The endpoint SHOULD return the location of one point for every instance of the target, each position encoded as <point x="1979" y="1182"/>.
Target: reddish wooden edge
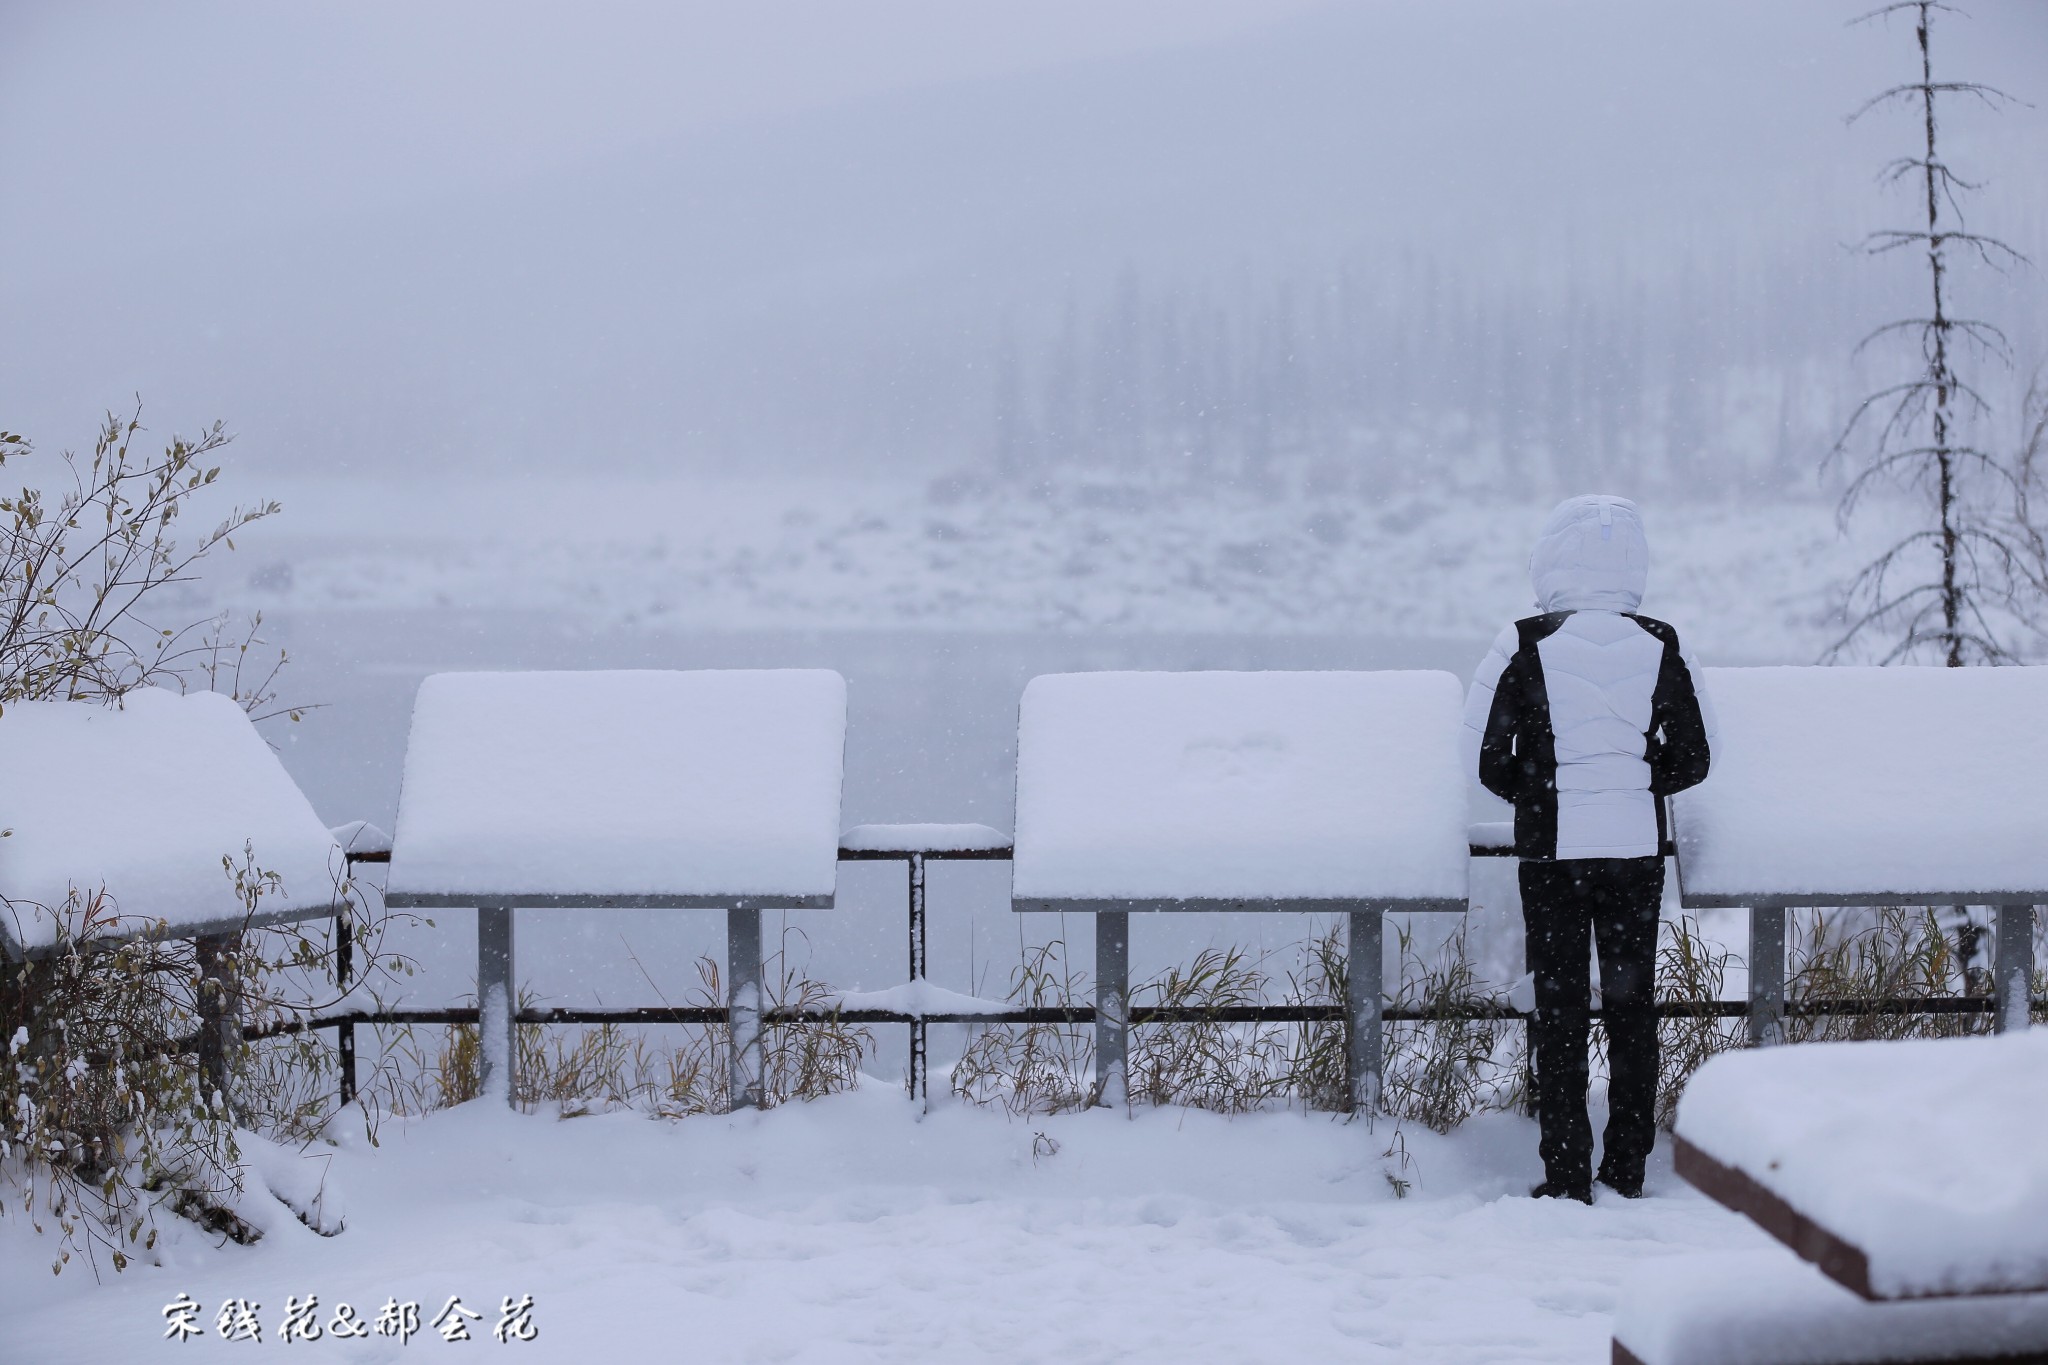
<point x="1842" y="1262"/>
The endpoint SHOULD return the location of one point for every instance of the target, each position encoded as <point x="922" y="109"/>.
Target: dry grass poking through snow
<point x="1465" y="1052"/>
<point x="1034" y="1068"/>
<point x="1691" y="970"/>
<point x="1208" y="1063"/>
<point x="1439" y="1070"/>
<point x="1447" y="1066"/>
<point x="601" y="1068"/>
<point x="1889" y="954"/>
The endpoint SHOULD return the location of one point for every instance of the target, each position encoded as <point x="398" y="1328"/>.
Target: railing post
<point x="918" y="1092"/>
<point x="219" y="1024"/>
<point x="497" y="1028"/>
<point x="1365" y="1043"/>
<point x="2013" y="968"/>
<point x="743" y="999"/>
<point x="1766" y="975"/>
<point x="345" y="1033"/>
<point x="1112" y="1006"/>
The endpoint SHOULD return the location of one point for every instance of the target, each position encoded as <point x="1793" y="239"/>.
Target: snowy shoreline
<point x="1752" y="584"/>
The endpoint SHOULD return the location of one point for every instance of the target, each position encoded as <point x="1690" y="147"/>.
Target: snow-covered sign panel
<point x="1870" y="785"/>
<point x="1263" y="788"/>
<point x="636" y="787"/>
<point x="1901" y="1169"/>
<point x="136" y="806"/>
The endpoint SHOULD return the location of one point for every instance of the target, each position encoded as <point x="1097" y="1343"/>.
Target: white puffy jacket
<point x="1586" y="716"/>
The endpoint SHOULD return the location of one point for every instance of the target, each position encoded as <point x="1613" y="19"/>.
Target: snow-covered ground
<point x="852" y="1230"/>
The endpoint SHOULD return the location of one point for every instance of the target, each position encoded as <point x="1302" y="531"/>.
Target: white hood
<point x="1592" y="556"/>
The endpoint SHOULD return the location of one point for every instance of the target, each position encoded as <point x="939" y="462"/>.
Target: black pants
<point x="1615" y="902"/>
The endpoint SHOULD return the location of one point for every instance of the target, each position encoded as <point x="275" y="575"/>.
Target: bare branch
<point x="1974" y="330"/>
<point x="80" y="562"/>
<point x="1989" y="94"/>
<point x="1989" y="249"/>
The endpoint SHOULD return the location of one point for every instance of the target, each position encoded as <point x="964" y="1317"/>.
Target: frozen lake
<point x="932" y="721"/>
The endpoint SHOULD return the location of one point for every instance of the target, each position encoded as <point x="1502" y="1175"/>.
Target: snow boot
<point x="1627" y="1189"/>
<point x="1551" y="1189"/>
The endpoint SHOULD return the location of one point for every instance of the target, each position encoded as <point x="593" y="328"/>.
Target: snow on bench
<point x="712" y="789"/>
<point x="920" y="997"/>
<point x="1493" y="836"/>
<point x="1767" y="1308"/>
<point x="627" y="788"/>
<point x="940" y="840"/>
<point x="1902" y="1169"/>
<point x="144" y="800"/>
<point x="362" y="840"/>
<point x="1860" y="786"/>
<point x="1240" y="791"/>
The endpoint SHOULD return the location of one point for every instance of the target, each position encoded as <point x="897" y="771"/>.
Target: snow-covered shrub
<point x="105" y="1111"/>
<point x="99" y="1104"/>
<point x="2037" y="979"/>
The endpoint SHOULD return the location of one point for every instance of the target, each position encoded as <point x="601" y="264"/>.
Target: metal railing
<point x="1765" y="1008"/>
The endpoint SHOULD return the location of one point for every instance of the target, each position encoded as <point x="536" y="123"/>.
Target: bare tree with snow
<point x="1966" y="585"/>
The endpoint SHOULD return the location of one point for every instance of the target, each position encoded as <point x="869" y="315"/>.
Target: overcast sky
<point x="376" y="234"/>
<point x="126" y="121"/>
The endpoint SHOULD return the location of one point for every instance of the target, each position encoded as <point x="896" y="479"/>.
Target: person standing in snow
<point x="1586" y="717"/>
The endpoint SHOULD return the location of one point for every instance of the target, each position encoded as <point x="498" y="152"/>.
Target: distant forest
<point x="1726" y="374"/>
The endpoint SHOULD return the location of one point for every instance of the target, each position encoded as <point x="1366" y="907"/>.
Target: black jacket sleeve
<point x="1499" y="770"/>
<point x="1678" y="751"/>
